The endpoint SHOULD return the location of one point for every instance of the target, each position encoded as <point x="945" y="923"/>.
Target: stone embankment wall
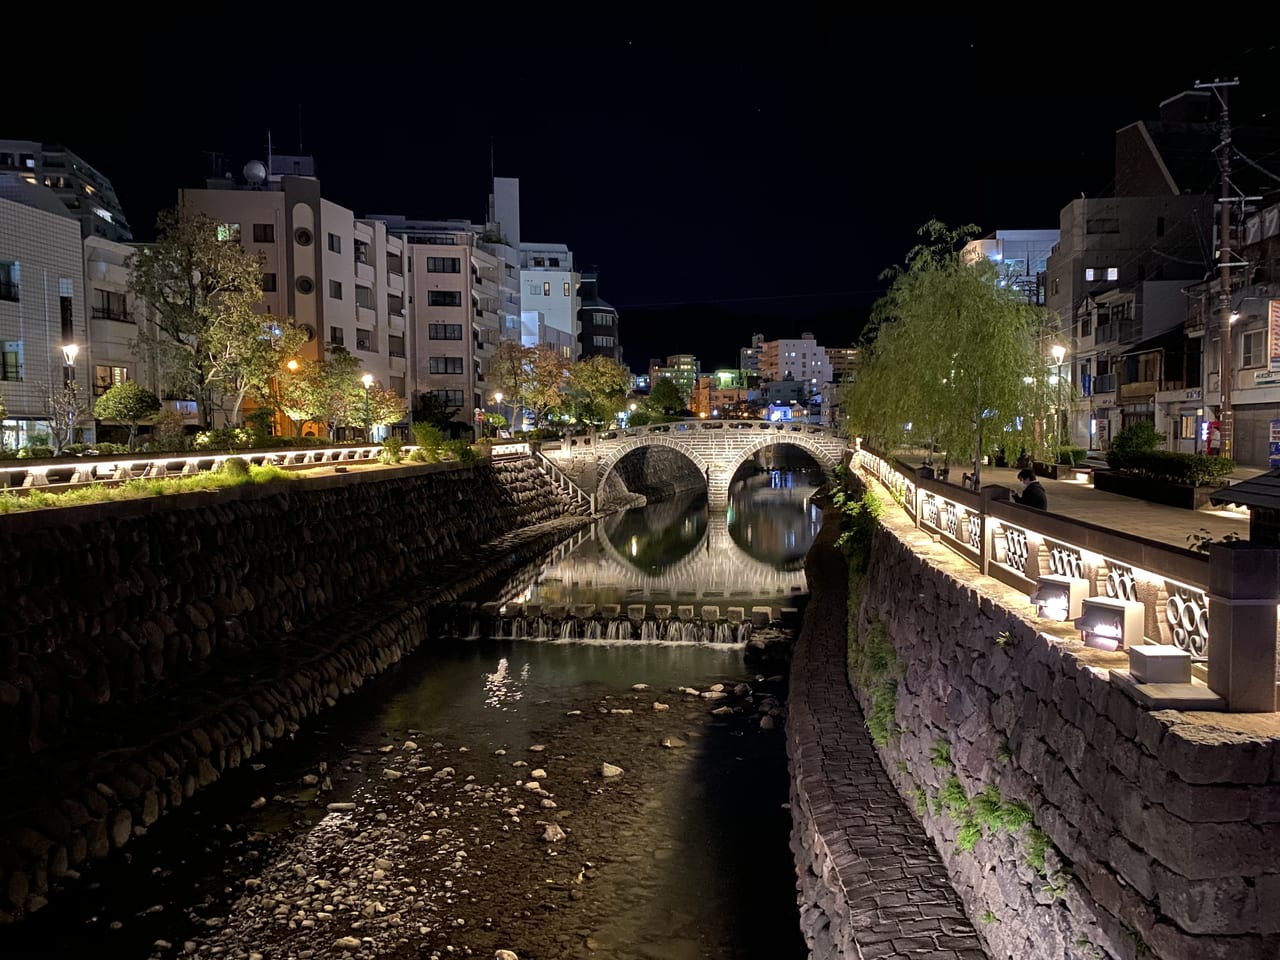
<point x="1151" y="834"/>
<point x="152" y="645"/>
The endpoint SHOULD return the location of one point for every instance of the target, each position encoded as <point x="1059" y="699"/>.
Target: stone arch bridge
<point x="717" y="448"/>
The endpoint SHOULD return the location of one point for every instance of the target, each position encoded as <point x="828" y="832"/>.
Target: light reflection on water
<point x="501" y="689"/>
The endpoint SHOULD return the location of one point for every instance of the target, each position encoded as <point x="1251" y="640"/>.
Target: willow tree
<point x="952" y="357"/>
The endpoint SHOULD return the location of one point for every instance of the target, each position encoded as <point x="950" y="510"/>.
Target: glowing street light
<point x="1059" y="353"/>
<point x="292" y="366"/>
<point x="69" y="353"/>
<point x="367" y="380"/>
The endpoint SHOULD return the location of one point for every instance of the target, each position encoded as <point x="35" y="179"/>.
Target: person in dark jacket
<point x="1033" y="494"/>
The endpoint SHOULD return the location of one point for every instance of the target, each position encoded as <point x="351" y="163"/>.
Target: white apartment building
<point x="549" y="300"/>
<point x="802" y="359"/>
<point x="86" y="192"/>
<point x="41" y="307"/>
<point x="340" y="278"/>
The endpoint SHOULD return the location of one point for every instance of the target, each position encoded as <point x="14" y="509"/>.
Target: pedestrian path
<point x="1080" y="501"/>
<point x="872" y="884"/>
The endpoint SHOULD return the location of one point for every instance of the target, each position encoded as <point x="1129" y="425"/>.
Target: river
<point x="461" y="805"/>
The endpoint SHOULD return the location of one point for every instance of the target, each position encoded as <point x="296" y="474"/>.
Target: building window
<point x="444" y="365"/>
<point x="1253" y="352"/>
<point x="444" y="298"/>
<point x="109" y="305"/>
<point x="335" y="243"/>
<point x="1113" y="273"/>
<point x="11" y="360"/>
<point x="364" y="297"/>
<point x="1086" y="325"/>
<point x="397" y="386"/>
<point x="264" y="233"/>
<point x="268" y="283"/>
<point x="1187" y="430"/>
<point x="546" y="289"/>
<point x="66" y="309"/>
<point x="539" y="262"/>
<point x="364" y="340"/>
<point x="9" y="277"/>
<point x="395" y="345"/>
<point x="335" y="336"/>
<point x="448" y="398"/>
<point x="1102" y="225"/>
<point x="554" y="261"/>
<point x="305" y="285"/>
<point x="1055" y="285"/>
<point x="603" y="341"/>
<point x="1089" y="273"/>
<point x="566" y="288"/>
<point x="335" y="289"/>
<point x="444" y="265"/>
<point x="104" y="378"/>
<point x="444" y="331"/>
<point x="229" y="231"/>
<point x="602" y="319"/>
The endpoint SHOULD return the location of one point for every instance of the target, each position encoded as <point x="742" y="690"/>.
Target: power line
<point x="784" y="296"/>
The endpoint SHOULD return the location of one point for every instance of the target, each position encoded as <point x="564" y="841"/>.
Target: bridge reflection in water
<point x="675" y="570"/>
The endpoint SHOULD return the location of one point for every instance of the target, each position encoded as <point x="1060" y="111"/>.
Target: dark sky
<point x="765" y="168"/>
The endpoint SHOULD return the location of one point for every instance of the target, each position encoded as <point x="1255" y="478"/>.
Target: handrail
<point x="564" y="481"/>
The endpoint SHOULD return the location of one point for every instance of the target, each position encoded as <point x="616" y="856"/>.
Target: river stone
<point x="766" y="723"/>
<point x="409" y="745"/>
<point x="382" y="863"/>
<point x="505" y="955"/>
<point x="639" y="686"/>
<point x="258" y="803"/>
<point x="347" y="943"/>
<point x="499" y="752"/>
<point x="673" y="743"/>
<point x="660" y="706"/>
<point x="721" y="711"/>
<point x="609" y="770"/>
<point x="714" y="695"/>
<point x="717" y="688"/>
<point x="539" y="774"/>
<point x="392" y="774"/>
<point x="532" y="785"/>
<point x="553" y="833"/>
<point x="537" y="748"/>
<point x="340" y="807"/>
<point x="624" y="713"/>
<point x="386" y="748"/>
<point x="310" y="780"/>
<point x="548" y="803"/>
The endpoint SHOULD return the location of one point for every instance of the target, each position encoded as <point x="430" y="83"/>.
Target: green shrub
<point x="223" y="438"/>
<point x="940" y="753"/>
<point x="429" y="438"/>
<point x="235" y="467"/>
<point x="391" y="450"/>
<point x="75" y="449"/>
<point x="1192" y="469"/>
<point x="35" y="452"/>
<point x="461" y="451"/>
<point x="1135" y="439"/>
<point x="874" y="670"/>
<point x="111" y="449"/>
<point x="859" y="518"/>
<point x="1071" y="456"/>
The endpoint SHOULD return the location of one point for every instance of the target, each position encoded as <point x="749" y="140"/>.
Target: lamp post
<point x="1059" y="353"/>
<point x="497" y="399"/>
<point x="367" y="380"/>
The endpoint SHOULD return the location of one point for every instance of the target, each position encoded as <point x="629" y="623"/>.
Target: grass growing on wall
<point x="874" y="671"/>
<point x="231" y="476"/>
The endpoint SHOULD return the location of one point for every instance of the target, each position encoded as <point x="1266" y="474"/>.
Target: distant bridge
<point x="717" y="448"/>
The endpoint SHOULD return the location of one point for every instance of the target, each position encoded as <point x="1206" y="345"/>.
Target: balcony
<point x="1104" y="383"/>
<point x="104" y="313"/>
<point x="364" y="272"/>
<point x="1141" y="390"/>
<point x="396" y="322"/>
<point x="365" y="316"/>
<point x="1104" y="333"/>
<point x="395" y="281"/>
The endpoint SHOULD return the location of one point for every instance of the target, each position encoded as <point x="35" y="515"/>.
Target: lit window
<point x="1113" y="273"/>
<point x="229" y="231"/>
<point x="1088" y="273"/>
<point x="546" y="289"/>
<point x="106" y="215"/>
<point x="566" y="288"/>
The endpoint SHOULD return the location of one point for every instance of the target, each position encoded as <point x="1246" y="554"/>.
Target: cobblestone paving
<point x="886" y="890"/>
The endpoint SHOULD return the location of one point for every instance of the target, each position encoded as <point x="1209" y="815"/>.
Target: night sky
<point x="763" y="169"/>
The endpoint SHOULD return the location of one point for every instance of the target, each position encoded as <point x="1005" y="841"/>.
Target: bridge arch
<point x="628" y="445"/>
<point x="825" y="457"/>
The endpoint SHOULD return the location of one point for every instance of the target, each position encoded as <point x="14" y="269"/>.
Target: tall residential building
<point x="549" y="301"/>
<point x="843" y="361"/>
<point x="86" y="193"/>
<point x="683" y="369"/>
<point x="802" y="359"/>
<point x="340" y="278"/>
<point x="500" y="239"/>
<point x="1020" y="257"/>
<point x="598" y="322"/>
<point x="41" y="307"/>
<point x="749" y="357"/>
<point x="456" y="299"/>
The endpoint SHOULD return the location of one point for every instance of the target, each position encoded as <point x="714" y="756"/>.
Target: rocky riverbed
<point x="635" y="821"/>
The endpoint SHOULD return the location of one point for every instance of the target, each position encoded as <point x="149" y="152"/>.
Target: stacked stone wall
<point x="1162" y="828"/>
<point x="154" y="644"/>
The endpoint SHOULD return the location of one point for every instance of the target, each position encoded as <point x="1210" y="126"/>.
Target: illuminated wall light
<point x="1107" y="624"/>
<point x="1060" y="598"/>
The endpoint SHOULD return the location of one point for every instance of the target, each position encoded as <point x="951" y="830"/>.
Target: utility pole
<point x="1226" y="368"/>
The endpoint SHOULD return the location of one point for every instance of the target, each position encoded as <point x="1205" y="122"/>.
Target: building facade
<point x="41" y="309"/>
<point x="598" y="323"/>
<point x="341" y="279"/>
<point x="801" y="360"/>
<point x="682" y="369"/>
<point x="749" y="357"/>
<point x="1020" y="257"/>
<point x="86" y="192"/>
<point x="549" y="304"/>
<point x="842" y="361"/>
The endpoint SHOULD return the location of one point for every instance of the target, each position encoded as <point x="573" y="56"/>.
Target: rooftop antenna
<point x="491" y="159"/>
<point x="301" y="152"/>
<point x="268" y="151"/>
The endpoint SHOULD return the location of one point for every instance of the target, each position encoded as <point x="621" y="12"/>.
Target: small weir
<point x="642" y="622"/>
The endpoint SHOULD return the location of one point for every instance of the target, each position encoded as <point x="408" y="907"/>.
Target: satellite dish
<point x="255" y="171"/>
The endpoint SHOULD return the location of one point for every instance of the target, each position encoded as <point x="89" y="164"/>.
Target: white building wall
<point x="47" y="250"/>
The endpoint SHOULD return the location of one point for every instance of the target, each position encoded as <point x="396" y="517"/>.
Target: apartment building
<point x="802" y="360"/>
<point x="340" y="278"/>
<point x="456" y="311"/>
<point x="683" y="369"/>
<point x="843" y="361"/>
<point x="1020" y="258"/>
<point x="598" y="322"/>
<point x="549" y="302"/>
<point x="85" y="191"/>
<point x="749" y="357"/>
<point x="43" y="334"/>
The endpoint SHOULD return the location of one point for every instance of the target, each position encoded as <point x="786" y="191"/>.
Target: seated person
<point x="1032" y="493"/>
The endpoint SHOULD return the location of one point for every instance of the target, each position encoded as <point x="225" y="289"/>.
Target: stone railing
<point x="1019" y="545"/>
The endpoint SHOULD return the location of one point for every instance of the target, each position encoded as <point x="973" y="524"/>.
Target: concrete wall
<point x="153" y="645"/>
<point x="1164" y="827"/>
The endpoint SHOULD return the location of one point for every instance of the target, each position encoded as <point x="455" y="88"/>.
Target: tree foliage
<point x="66" y="412"/>
<point x="951" y="358"/>
<point x="666" y="398"/>
<point x="545" y="380"/>
<point x="598" y="388"/>
<point x="128" y="402"/>
<point x="203" y="335"/>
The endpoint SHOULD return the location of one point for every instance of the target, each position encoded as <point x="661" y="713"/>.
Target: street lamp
<point x="367" y="380"/>
<point x="497" y="400"/>
<point x="1059" y="353"/>
<point x="69" y="353"/>
<point x="292" y="365"/>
